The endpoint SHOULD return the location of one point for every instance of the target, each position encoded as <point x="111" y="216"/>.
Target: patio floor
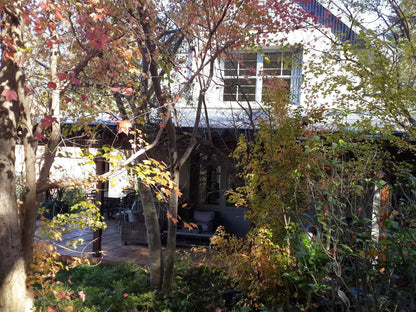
<point x="113" y="249"/>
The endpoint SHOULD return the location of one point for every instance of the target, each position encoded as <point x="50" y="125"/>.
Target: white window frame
<point x="295" y="75"/>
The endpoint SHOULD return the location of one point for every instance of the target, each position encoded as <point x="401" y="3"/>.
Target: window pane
<point x="230" y="90"/>
<point x="247" y="91"/>
<point x="248" y="65"/>
<point x="277" y="63"/>
<point x="209" y="183"/>
<point x="230" y="68"/>
<point x="243" y="86"/>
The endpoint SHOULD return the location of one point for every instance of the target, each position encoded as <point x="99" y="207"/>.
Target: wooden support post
<point x="101" y="167"/>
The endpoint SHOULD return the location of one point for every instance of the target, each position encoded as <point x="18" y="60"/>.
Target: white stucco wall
<point x="315" y="42"/>
<point x="70" y="167"/>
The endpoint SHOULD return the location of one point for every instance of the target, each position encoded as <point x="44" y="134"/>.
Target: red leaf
<point x="115" y="89"/>
<point x="128" y="91"/>
<point x="91" y="36"/>
<point x="51" y="26"/>
<point x="47" y="121"/>
<point x="43" y="5"/>
<point x="84" y="98"/>
<point x="52" y="85"/>
<point x="62" y="76"/>
<point x="26" y="17"/>
<point x="39" y="136"/>
<point x="67" y="100"/>
<point x="49" y="44"/>
<point x="58" y="15"/>
<point x="9" y="94"/>
<point x="75" y="81"/>
<point x="27" y="89"/>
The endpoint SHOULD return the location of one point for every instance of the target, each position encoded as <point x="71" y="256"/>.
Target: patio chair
<point x="133" y="227"/>
<point x="125" y="204"/>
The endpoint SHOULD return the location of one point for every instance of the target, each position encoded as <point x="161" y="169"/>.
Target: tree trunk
<point x="171" y="240"/>
<point x="29" y="205"/>
<point x="153" y="236"/>
<point x="54" y="111"/>
<point x="173" y="209"/>
<point x="13" y="292"/>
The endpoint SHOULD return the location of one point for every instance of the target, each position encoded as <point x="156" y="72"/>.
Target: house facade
<point x="236" y="97"/>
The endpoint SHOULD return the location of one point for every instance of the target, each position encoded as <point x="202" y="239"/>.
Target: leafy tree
<point x="313" y="198"/>
<point x="127" y="53"/>
<point x="376" y="69"/>
<point x="154" y="34"/>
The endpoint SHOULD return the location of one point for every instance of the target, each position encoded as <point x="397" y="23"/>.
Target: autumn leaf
<point x="75" y="81"/>
<point x="62" y="76"/>
<point x="128" y="91"/>
<point x="9" y="94"/>
<point x="47" y="121"/>
<point x="125" y="126"/>
<point x="39" y="136"/>
<point x="52" y="85"/>
<point x="189" y="226"/>
<point x="169" y="216"/>
<point x="166" y="191"/>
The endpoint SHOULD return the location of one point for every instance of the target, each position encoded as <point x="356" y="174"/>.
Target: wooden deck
<point x="113" y="249"/>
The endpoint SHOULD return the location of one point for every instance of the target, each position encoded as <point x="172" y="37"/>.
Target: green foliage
<point x="120" y="287"/>
<point x="61" y="200"/>
<point x="80" y="216"/>
<point x="301" y="177"/>
<point x="124" y="287"/>
<point x="271" y="166"/>
<point x="198" y="289"/>
<point x="265" y="271"/>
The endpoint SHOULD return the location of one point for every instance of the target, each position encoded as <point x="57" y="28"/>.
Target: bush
<point x="61" y="201"/>
<point x="121" y="287"/>
<point x="265" y="271"/>
<point x="125" y="287"/>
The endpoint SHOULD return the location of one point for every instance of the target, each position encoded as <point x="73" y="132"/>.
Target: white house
<point x="239" y="88"/>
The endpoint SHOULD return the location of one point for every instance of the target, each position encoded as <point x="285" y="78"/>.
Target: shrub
<point x="125" y="287"/>
<point x="265" y="271"/>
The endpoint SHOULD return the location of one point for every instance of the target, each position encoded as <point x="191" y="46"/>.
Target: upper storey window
<point x="245" y="74"/>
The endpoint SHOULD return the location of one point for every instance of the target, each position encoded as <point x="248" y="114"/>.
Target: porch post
<point x="375" y="214"/>
<point x="100" y="168"/>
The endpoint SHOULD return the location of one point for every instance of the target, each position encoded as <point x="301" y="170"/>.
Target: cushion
<point x="204" y="215"/>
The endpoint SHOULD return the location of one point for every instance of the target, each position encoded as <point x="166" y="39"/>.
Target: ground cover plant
<point x="125" y="287"/>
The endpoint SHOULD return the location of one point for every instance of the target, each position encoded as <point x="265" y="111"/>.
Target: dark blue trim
<point x="326" y="18"/>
